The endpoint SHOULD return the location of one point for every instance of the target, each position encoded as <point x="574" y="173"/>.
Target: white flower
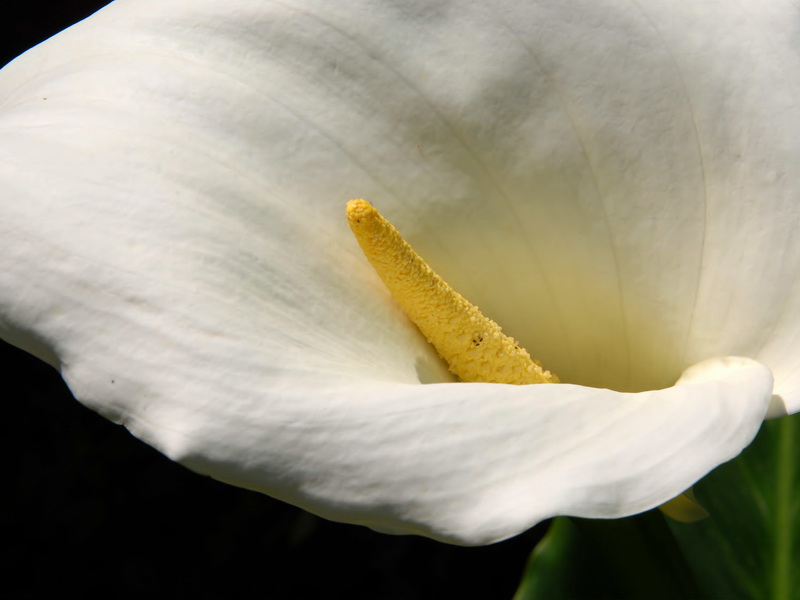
<point x="614" y="182"/>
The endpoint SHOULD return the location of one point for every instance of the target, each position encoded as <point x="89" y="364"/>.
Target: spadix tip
<point x="359" y="209"/>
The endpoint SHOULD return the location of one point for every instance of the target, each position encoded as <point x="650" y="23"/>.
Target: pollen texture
<point x="474" y="347"/>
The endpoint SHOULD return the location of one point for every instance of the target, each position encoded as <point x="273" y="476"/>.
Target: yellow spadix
<point x="475" y="347"/>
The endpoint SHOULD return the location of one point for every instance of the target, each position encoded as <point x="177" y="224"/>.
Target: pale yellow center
<point x="475" y="347"/>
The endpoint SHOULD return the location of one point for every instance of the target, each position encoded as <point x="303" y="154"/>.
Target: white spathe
<point x="614" y="182"/>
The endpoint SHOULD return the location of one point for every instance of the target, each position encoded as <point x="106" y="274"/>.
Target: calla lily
<point x="614" y="182"/>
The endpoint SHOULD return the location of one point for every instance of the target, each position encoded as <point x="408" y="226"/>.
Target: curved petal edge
<point x="473" y="464"/>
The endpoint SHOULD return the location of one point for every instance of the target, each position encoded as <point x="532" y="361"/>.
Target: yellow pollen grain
<point x="474" y="347"/>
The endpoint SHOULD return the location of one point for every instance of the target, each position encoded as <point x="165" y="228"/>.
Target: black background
<point x="94" y="512"/>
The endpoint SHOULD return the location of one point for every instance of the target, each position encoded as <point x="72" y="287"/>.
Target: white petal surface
<point x="614" y="182"/>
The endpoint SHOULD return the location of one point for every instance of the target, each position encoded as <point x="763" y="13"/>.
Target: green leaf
<point x="748" y="548"/>
<point x="547" y="572"/>
<point x="625" y="558"/>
